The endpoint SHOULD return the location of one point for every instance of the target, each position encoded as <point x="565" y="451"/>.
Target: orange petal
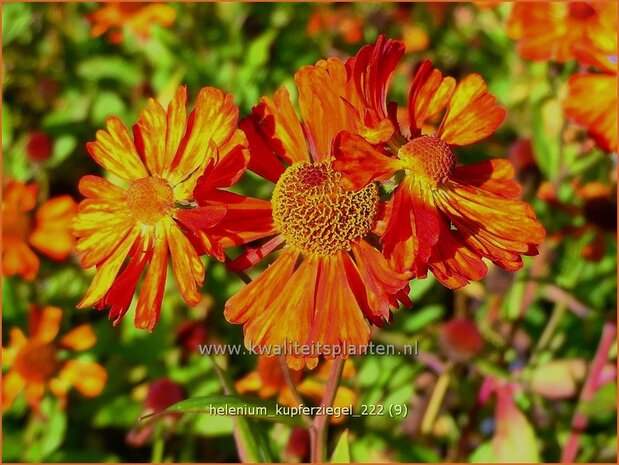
<point x="151" y="294"/>
<point x="328" y="104"/>
<point x="372" y="69"/>
<point x="148" y="132"/>
<point x="247" y="303"/>
<point x="12" y="385"/>
<point x="429" y="95"/>
<point x="373" y="281"/>
<point x="22" y="197"/>
<point x="360" y="163"/>
<point x="99" y="235"/>
<point x="494" y="176"/>
<point x="79" y="338"/>
<point x="281" y="128"/>
<point x="498" y="228"/>
<point x="186" y="264"/>
<point x="264" y="160"/>
<point x="249" y="383"/>
<point x="452" y="262"/>
<point x="97" y="187"/>
<point x="592" y="102"/>
<point x="212" y="123"/>
<point x="107" y="271"/>
<point x="115" y="151"/>
<point x="44" y="323"/>
<point x="34" y="394"/>
<point x="18" y="259"/>
<point x="176" y="122"/>
<point x="88" y="378"/>
<point x="473" y="113"/>
<point x="411" y="232"/>
<point x="52" y="235"/>
<point x="337" y="318"/>
<point x="17" y="340"/>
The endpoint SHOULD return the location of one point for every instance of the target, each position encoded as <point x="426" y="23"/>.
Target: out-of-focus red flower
<point x="189" y="336"/>
<point x="552" y="30"/>
<point x="138" y="17"/>
<point x="521" y="155"/>
<point x="162" y="393"/>
<point x="38" y="146"/>
<point x="298" y="445"/>
<point x="460" y="339"/>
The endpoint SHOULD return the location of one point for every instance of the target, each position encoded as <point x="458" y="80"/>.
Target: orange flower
<point x="597" y="206"/>
<point x="551" y="30"/>
<point x="35" y="363"/>
<point x="268" y="381"/>
<point x="152" y="218"/>
<point x="342" y="21"/>
<point x="444" y="217"/>
<point x="138" y="17"/>
<point x="591" y="99"/>
<point x="47" y="232"/>
<point x="329" y="275"/>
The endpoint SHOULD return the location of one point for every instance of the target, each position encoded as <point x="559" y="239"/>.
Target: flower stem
<point x="318" y="430"/>
<point x="291" y="386"/>
<point x="592" y="384"/>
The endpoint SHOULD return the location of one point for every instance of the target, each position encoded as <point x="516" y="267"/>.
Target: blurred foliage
<point x="59" y="80"/>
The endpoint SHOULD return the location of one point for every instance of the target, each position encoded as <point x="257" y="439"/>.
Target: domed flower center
<point x="16" y="223"/>
<point x="316" y="215"/>
<point x="150" y="199"/>
<point x="36" y="362"/>
<point x="428" y="157"/>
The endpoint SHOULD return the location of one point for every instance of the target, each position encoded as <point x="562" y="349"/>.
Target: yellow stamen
<point x="428" y="159"/>
<point x="150" y="199"/>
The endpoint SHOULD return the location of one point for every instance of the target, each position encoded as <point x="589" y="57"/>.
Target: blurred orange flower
<point x="138" y="17"/>
<point x="415" y="38"/>
<point x="153" y="218"/>
<point x="268" y="381"/>
<point x="551" y="30"/>
<point x="47" y="230"/>
<point x="35" y="362"/>
<point x="329" y="260"/>
<point x="591" y="99"/>
<point x="597" y="205"/>
<point x="444" y="217"/>
<point x="342" y="21"/>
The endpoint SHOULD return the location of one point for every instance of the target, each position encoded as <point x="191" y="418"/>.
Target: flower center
<point x="316" y="215"/>
<point x="16" y="223"/>
<point x="150" y="199"/>
<point x="428" y="157"/>
<point x="36" y="362"/>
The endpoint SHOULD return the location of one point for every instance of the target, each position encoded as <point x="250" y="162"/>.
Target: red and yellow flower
<point x="35" y="362"/>
<point x="46" y="231"/>
<point x="112" y="17"/>
<point x="443" y="217"/>
<point x="329" y="277"/>
<point x="268" y="381"/>
<point x="552" y="30"/>
<point x="591" y="99"/>
<point x="153" y="219"/>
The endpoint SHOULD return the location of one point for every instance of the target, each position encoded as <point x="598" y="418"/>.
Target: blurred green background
<point x="60" y="81"/>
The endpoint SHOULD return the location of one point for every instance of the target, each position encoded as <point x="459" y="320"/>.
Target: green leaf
<point x="341" y="454"/>
<point x="7" y="127"/>
<point x="16" y="20"/>
<point x="236" y="405"/>
<point x="546" y="121"/>
<point x="110" y="67"/>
